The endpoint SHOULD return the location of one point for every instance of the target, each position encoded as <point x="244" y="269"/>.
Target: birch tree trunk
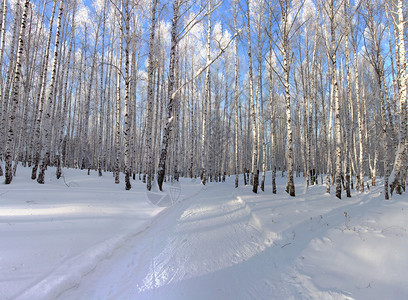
<point x="312" y="100"/>
<point x="360" y="123"/>
<point x="30" y="63"/>
<point x="273" y="127"/>
<point x="128" y="111"/>
<point x="102" y="99"/>
<point x="254" y="169"/>
<point x="347" y="114"/>
<point x="206" y="103"/>
<point x="400" y="159"/>
<point x="66" y="100"/>
<point x="150" y="98"/>
<point x="15" y="98"/>
<point x="46" y="147"/>
<point x="336" y="102"/>
<point x="37" y="141"/>
<point x="328" y="136"/>
<point x="118" y="100"/>
<point x="236" y="97"/>
<point x="290" y="185"/>
<point x="7" y="89"/>
<point x="170" y="88"/>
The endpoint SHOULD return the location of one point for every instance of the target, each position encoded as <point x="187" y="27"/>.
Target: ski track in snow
<point x="209" y="239"/>
<point x="206" y="246"/>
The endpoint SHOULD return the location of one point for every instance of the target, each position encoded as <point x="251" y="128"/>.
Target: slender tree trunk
<point x="236" y="98"/>
<point x="65" y="105"/>
<point x="170" y="104"/>
<point x="329" y="135"/>
<point x="150" y="98"/>
<point x="45" y="159"/>
<point x="128" y="111"/>
<point x="360" y="122"/>
<point x="118" y="102"/>
<point x="273" y="125"/>
<point x="400" y="159"/>
<point x="206" y="103"/>
<point x="30" y="61"/>
<point x="254" y="169"/>
<point x="37" y="141"/>
<point x="336" y="104"/>
<point x="290" y="185"/>
<point x="15" y="97"/>
<point x="347" y="115"/>
<point x="102" y="99"/>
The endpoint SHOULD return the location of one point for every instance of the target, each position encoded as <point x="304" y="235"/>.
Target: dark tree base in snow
<point x="41" y="175"/>
<point x="160" y="179"/>
<point x="256" y="182"/>
<point x="290" y="188"/>
<point x="9" y="174"/>
<point x="127" y="181"/>
<point x="34" y="172"/>
<point x="58" y="173"/>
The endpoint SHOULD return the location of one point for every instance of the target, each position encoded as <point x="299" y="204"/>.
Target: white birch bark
<point x="360" y="123"/>
<point x="102" y="99"/>
<point x="46" y="140"/>
<point x="37" y="140"/>
<point x="273" y="125"/>
<point x="170" y="87"/>
<point x="66" y="103"/>
<point x="150" y="98"/>
<point x="290" y="185"/>
<point x="30" y="62"/>
<point x="7" y="89"/>
<point x="206" y="103"/>
<point x="15" y="98"/>
<point x="400" y="159"/>
<point x="118" y="101"/>
<point x="236" y="98"/>
<point x="254" y="168"/>
<point x="312" y="100"/>
<point x="128" y="111"/>
<point x="337" y="121"/>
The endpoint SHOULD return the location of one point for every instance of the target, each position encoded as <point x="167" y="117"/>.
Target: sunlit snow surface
<point x="83" y="237"/>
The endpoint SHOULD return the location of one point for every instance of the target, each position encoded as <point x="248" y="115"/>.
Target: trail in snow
<point x="194" y="245"/>
<point x="205" y="247"/>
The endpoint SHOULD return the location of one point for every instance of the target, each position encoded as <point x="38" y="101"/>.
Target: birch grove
<point x="149" y="91"/>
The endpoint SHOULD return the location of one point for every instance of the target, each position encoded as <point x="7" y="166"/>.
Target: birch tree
<point x="170" y="90"/>
<point x="285" y="34"/>
<point x="46" y="140"/>
<point x="15" y="97"/>
<point x="37" y="140"/>
<point x="118" y="96"/>
<point x="150" y="97"/>
<point x="236" y="97"/>
<point x="254" y="168"/>
<point x="206" y="103"/>
<point x="400" y="159"/>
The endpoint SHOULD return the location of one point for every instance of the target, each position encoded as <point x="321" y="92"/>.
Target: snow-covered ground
<point x="83" y="237"/>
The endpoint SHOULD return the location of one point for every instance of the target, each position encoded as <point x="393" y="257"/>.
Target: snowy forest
<point x="206" y="89"/>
